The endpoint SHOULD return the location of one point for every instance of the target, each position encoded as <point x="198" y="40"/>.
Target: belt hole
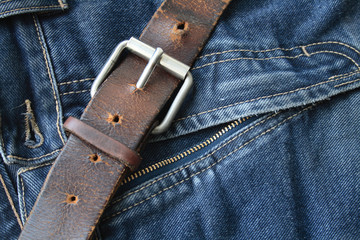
<point x="114" y="119"/>
<point x="94" y="158"/>
<point x="72" y="199"/>
<point x="179" y="31"/>
<point x="180" y="26"/>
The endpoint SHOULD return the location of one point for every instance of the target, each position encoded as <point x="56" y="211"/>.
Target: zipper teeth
<point x="185" y="153"/>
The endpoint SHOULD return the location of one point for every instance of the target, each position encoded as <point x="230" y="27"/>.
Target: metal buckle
<point x="155" y="57"/>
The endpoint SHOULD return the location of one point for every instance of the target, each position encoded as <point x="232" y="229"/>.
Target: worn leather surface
<point x="83" y="177"/>
<point x="103" y="142"/>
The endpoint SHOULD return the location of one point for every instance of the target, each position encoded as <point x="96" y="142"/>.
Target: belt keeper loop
<point x="103" y="142"/>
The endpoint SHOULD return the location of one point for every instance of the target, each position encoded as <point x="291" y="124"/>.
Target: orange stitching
<point x="282" y="49"/>
<point x="187" y="166"/>
<point x="51" y="80"/>
<point x="32" y="168"/>
<point x="277" y="57"/>
<point x="334" y="42"/>
<point x="248" y="50"/>
<point x="5" y="1"/>
<point x="11" y="202"/>
<point x="338" y="53"/>
<point x="61" y="4"/>
<point x="345" y="83"/>
<point x="76" y="81"/>
<point x="34" y="158"/>
<point x="23" y="197"/>
<point x="331" y="79"/>
<point x="30" y="8"/>
<point x="213" y="164"/>
<point x="247" y="58"/>
<point x="74" y="92"/>
<point x="346" y="75"/>
<point x="22" y="183"/>
<point x="303" y="48"/>
<point x="31" y="127"/>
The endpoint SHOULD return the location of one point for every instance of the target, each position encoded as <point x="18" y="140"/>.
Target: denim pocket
<point x="236" y="83"/>
<point x="30" y="112"/>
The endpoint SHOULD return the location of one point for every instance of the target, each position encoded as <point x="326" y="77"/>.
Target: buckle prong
<point x="153" y="61"/>
<point x="155" y="57"/>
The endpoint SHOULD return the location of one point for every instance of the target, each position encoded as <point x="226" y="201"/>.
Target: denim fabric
<point x="265" y="147"/>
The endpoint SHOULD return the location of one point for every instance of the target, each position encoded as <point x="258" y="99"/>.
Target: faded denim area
<point x="265" y="147"/>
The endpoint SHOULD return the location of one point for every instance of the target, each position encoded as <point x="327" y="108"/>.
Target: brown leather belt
<point x="104" y="145"/>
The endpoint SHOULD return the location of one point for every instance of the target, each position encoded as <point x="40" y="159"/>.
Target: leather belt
<point x="104" y="145"/>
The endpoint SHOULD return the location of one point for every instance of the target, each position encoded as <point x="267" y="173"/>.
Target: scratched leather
<point x="55" y="215"/>
<point x="103" y="143"/>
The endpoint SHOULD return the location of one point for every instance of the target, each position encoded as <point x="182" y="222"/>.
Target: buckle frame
<point x="155" y="57"/>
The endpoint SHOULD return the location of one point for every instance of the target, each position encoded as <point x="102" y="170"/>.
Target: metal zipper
<point x="185" y="153"/>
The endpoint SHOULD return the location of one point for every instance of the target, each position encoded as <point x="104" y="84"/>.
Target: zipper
<point x="185" y="153"/>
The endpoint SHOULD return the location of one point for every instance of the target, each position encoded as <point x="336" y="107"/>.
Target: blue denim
<point x="265" y="147"/>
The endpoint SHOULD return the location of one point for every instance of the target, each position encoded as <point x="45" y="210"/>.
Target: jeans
<point x="266" y="145"/>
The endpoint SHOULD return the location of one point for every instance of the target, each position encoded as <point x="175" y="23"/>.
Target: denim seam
<point x="277" y="57"/>
<point x="32" y="168"/>
<point x="34" y="158"/>
<point x="188" y="165"/>
<point x="31" y="8"/>
<point x="76" y="81"/>
<point x="23" y="187"/>
<point x="31" y="127"/>
<point x="5" y="1"/>
<point x="2" y="150"/>
<point x="345" y="75"/>
<point x="11" y="202"/>
<point x="61" y="4"/>
<point x="345" y="83"/>
<point x="42" y="43"/>
<point x="75" y="92"/>
<point x="303" y="48"/>
<point x="210" y="166"/>
<point x="282" y="49"/>
<point x="23" y="199"/>
<point x="338" y="53"/>
<point x="330" y="79"/>
<point x="334" y="42"/>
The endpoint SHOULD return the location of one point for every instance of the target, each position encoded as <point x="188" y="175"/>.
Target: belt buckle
<point x="155" y="57"/>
